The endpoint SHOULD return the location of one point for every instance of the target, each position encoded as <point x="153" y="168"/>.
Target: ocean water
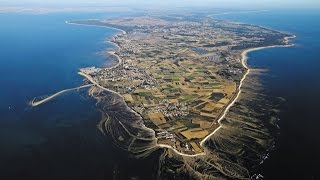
<point x="294" y="74"/>
<point x="40" y="55"/>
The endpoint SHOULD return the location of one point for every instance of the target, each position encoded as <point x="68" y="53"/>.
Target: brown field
<point x="157" y="118"/>
<point x="195" y="133"/>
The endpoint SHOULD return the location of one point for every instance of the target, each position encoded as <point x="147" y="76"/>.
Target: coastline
<point x="112" y="53"/>
<point x="244" y="58"/>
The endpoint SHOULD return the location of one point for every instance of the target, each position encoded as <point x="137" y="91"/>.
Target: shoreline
<point x="244" y="58"/>
<point x="112" y="53"/>
<point x="89" y="78"/>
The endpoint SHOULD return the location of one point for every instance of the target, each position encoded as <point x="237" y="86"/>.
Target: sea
<point x="41" y="54"/>
<point x="293" y="74"/>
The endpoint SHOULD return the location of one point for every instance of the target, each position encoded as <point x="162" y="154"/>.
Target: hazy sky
<point x="207" y="3"/>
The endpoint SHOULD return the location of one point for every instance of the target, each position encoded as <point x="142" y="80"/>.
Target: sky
<point x="260" y="4"/>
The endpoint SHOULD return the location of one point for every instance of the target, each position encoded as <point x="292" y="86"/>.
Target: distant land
<point x="45" y="10"/>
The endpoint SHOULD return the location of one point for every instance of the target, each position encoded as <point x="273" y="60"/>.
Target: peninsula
<point x="180" y="74"/>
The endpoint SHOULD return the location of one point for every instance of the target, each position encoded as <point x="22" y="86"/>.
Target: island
<point x="180" y="74"/>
